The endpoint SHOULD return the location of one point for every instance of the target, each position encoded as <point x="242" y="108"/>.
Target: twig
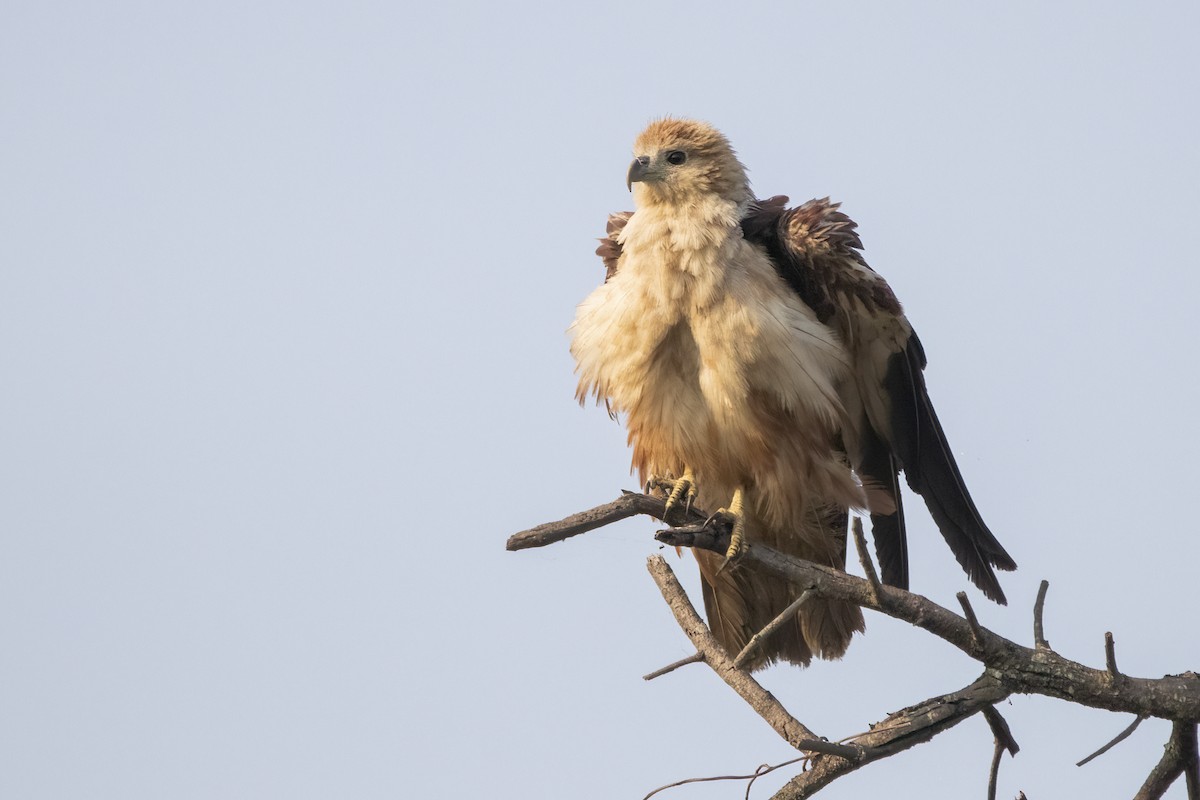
<point x="994" y="771"/>
<point x="1000" y="730"/>
<point x="766" y="769"/>
<point x="683" y="662"/>
<point x="1110" y="656"/>
<point x="1004" y="741"/>
<point x="864" y="558"/>
<point x="1178" y="755"/>
<point x="1039" y="637"/>
<point x="791" y="729"/>
<point x="758" y="773"/>
<point x="629" y="504"/>
<point x="757" y="639"/>
<point x="972" y="620"/>
<point x="1120" y="737"/>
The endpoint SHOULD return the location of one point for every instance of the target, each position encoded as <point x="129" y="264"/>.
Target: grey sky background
<point x="283" y="292"/>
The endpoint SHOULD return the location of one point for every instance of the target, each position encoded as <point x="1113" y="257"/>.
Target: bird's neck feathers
<point x="695" y="210"/>
<point x="679" y="253"/>
<point x="711" y="204"/>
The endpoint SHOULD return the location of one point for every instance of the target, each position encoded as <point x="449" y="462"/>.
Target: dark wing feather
<point x="879" y="467"/>
<point x="816" y="249"/>
<point x="929" y="466"/>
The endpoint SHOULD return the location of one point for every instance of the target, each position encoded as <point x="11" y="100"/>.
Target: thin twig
<point x="767" y="769"/>
<point x="994" y="772"/>
<point x="757" y="639"/>
<point x="972" y="620"/>
<point x="864" y="558"/>
<point x="683" y="662"/>
<point x="1004" y="741"/>
<point x="1039" y="637"/>
<point x="1120" y="737"/>
<point x="1110" y="656"/>
<point x="758" y="773"/>
<point x="770" y="709"/>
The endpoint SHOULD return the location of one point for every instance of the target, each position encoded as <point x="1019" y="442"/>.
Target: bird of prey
<point x="765" y="370"/>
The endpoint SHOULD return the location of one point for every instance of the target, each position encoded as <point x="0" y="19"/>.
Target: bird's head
<point x="680" y="160"/>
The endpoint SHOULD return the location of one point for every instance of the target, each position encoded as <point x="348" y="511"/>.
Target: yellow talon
<point x="676" y="489"/>
<point x="737" y="537"/>
<point x="685" y="487"/>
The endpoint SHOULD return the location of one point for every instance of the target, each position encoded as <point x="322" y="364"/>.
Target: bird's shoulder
<point x="816" y="248"/>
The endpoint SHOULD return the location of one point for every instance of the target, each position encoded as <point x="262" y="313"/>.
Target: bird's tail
<point x="740" y="601"/>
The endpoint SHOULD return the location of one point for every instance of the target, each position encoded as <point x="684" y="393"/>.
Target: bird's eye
<point x="676" y="157"/>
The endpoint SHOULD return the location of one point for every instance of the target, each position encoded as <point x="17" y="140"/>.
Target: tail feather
<point x="741" y="601"/>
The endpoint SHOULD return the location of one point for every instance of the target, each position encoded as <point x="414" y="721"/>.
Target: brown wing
<point x="817" y="251"/>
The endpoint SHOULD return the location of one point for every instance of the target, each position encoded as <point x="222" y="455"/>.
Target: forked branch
<point x="1009" y="668"/>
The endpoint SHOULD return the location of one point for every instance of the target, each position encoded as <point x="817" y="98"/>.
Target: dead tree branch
<point x="629" y="504"/>
<point x="791" y="729"/>
<point x="1009" y="668"/>
<point x="1024" y="670"/>
<point x="1179" y="758"/>
<point x="1120" y="737"/>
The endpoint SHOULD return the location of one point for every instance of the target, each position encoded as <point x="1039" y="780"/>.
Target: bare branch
<point x="1110" y="656"/>
<point x="758" y="773"/>
<point x="791" y="729"/>
<point x="1039" y="636"/>
<point x="629" y="504"/>
<point x="898" y="732"/>
<point x="972" y="620"/>
<point x="757" y="639"/>
<point x="694" y="658"/>
<point x="1024" y="670"/>
<point x="864" y="558"/>
<point x="1120" y="737"/>
<point x="1190" y="753"/>
<point x="994" y="771"/>
<point x="1178" y="755"/>
<point x="1009" y="667"/>
<point x="1000" y="730"/>
<point x="1004" y="741"/>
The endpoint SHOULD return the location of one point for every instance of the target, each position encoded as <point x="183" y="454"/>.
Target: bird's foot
<point x="737" y="537"/>
<point x="680" y="492"/>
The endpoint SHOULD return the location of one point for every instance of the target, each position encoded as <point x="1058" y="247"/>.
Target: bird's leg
<point x="737" y="537"/>
<point x="677" y="490"/>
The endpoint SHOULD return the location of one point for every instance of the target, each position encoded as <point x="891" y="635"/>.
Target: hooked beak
<point x="637" y="171"/>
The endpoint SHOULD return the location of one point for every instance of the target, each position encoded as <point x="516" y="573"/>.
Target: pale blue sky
<point x="283" y="292"/>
